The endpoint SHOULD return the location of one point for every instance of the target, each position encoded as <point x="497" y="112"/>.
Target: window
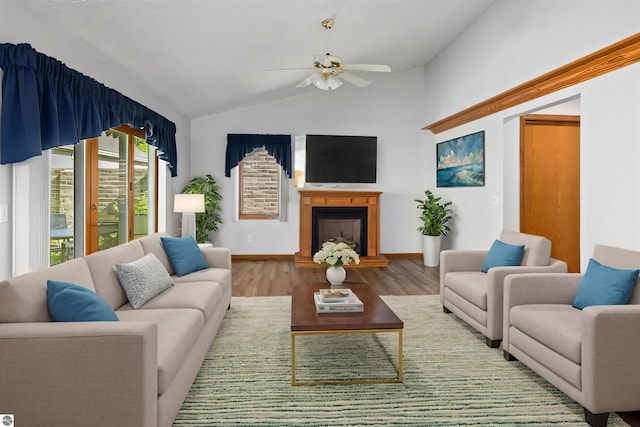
<point x="260" y="181"/>
<point x="61" y="205"/>
<point x="259" y="174"/>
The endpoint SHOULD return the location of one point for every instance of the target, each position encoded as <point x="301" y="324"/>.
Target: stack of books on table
<point x="337" y="300"/>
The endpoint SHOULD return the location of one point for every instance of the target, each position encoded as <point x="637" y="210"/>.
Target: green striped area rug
<point x="451" y="378"/>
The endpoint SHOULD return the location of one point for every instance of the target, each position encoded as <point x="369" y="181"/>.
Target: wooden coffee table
<point x="377" y="317"/>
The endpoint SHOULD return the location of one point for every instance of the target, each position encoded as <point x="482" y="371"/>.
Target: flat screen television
<point x="341" y="159"/>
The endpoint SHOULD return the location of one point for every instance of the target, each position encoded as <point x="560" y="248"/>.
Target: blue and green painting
<point x="461" y="161"/>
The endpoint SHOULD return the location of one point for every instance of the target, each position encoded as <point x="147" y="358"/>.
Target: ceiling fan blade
<point x="306" y="82"/>
<point x="352" y="78"/>
<point x="368" y="67"/>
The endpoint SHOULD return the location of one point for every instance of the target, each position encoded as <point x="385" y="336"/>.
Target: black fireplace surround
<point x="322" y="214"/>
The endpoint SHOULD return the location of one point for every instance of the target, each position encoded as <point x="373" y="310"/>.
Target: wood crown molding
<point x="611" y="58"/>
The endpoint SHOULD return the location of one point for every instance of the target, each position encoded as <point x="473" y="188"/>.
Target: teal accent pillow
<point x="184" y="254"/>
<point x="604" y="285"/>
<point x="503" y="254"/>
<point x="74" y="303"/>
<point x="143" y="279"/>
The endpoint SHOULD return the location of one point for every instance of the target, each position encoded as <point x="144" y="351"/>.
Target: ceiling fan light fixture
<point x="333" y="82"/>
<point x="329" y="72"/>
<point x="330" y="82"/>
<point x="319" y="82"/>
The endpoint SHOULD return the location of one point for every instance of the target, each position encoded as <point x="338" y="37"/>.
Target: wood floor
<point x="402" y="277"/>
<point x="277" y="277"/>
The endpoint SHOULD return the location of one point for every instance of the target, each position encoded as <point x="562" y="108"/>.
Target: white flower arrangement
<point x="336" y="254"/>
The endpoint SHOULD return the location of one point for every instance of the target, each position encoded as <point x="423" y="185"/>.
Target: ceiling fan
<point x="329" y="71"/>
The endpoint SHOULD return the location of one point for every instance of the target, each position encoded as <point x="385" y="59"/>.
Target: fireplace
<point x="338" y="224"/>
<point x="340" y="214"/>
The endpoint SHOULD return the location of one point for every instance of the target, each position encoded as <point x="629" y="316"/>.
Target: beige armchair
<point x="476" y="297"/>
<point x="592" y="355"/>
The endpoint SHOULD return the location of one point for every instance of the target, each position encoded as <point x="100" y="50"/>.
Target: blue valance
<point x="240" y="144"/>
<point x="45" y="104"/>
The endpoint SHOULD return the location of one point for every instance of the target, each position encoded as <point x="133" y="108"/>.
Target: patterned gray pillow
<point x="143" y="279"/>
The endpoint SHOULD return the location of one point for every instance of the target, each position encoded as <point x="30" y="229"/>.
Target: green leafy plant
<point x="141" y="207"/>
<point x="434" y="215"/>
<point x="210" y="219"/>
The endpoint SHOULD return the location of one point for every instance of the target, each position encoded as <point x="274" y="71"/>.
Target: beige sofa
<point x="592" y="354"/>
<point x="135" y="372"/>
<point x="476" y="297"/>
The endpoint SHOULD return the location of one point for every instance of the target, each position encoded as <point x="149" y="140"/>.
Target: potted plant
<point x="210" y="219"/>
<point x="434" y="216"/>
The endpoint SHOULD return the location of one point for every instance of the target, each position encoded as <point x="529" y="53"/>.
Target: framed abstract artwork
<point x="460" y="161"/>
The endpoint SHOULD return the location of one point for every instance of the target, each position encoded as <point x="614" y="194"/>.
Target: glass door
<point x="107" y="191"/>
<point x="121" y="188"/>
<point x="143" y="213"/>
<point x="61" y="182"/>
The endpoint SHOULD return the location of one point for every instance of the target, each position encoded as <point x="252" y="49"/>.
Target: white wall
<point x="391" y="108"/>
<point x="514" y="42"/>
<point x="18" y="27"/>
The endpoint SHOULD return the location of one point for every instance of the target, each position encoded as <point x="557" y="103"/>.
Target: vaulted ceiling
<point x="206" y="56"/>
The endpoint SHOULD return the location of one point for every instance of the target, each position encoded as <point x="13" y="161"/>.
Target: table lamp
<point x="188" y="205"/>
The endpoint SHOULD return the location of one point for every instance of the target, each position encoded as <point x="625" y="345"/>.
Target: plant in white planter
<point x="434" y="215"/>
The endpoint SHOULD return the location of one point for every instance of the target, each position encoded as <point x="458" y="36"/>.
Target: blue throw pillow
<point x="503" y="254"/>
<point x="73" y="303"/>
<point x="604" y="285"/>
<point x="184" y="254"/>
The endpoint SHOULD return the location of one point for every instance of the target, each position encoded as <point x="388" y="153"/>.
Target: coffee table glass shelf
<point x="376" y="318"/>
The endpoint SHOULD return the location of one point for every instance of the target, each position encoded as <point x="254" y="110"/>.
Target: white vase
<point x="336" y="275"/>
<point x="431" y="250"/>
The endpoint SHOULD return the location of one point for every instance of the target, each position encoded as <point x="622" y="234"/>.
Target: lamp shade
<point x="188" y="203"/>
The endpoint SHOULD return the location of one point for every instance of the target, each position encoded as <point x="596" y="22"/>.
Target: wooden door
<point x="550" y="183"/>
<point x="118" y="188"/>
<point x="91" y="196"/>
<point x="107" y="194"/>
